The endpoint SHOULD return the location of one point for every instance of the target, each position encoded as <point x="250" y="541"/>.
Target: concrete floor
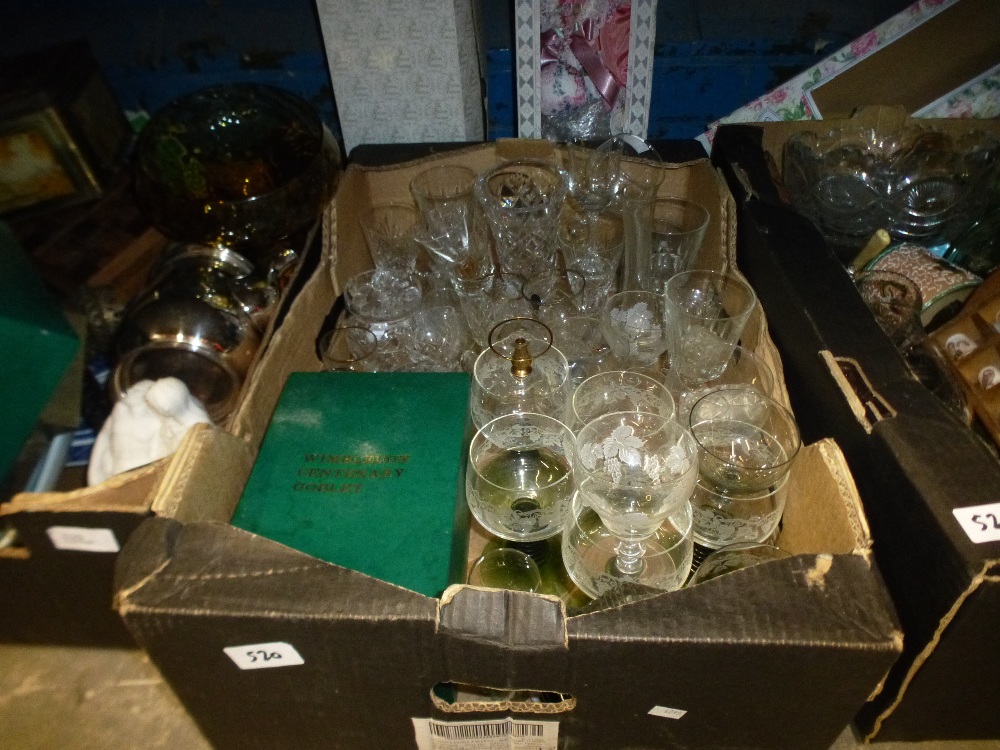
<point x="60" y="698"/>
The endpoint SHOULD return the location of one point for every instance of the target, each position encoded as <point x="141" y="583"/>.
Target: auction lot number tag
<point x="82" y="539"/>
<point x="980" y="522"/>
<point x="264" y="655"/>
<point x="500" y="734"/>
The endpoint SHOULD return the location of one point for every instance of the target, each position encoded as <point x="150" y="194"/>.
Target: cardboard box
<point x="936" y="59"/>
<point x="56" y="576"/>
<point x="776" y="656"/>
<point x="403" y="72"/>
<point x="922" y="474"/>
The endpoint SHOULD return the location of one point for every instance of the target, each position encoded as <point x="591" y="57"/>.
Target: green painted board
<point x="37" y="342"/>
<point x="367" y="470"/>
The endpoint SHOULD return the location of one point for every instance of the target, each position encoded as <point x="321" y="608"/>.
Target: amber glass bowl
<point x="237" y="165"/>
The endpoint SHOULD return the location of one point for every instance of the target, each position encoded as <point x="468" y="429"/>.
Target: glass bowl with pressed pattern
<point x="240" y="165"/>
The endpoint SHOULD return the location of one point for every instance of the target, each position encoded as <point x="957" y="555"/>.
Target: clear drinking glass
<point x="348" y="349"/>
<point x="506" y="568"/>
<point x="722" y="517"/>
<point x="579" y="338"/>
<point x="706" y="312"/>
<point x="593" y="247"/>
<point x="519" y="480"/>
<point x="389" y="230"/>
<point x="487" y="300"/>
<point x="746" y="440"/>
<point x="383" y="300"/>
<point x="437" y="337"/>
<point x="555" y="295"/>
<point x="743" y="368"/>
<point x="635" y="469"/>
<point x="522" y="200"/>
<point x="677" y="228"/>
<point x="620" y="390"/>
<point x="593" y="173"/>
<point x="593" y="182"/>
<point x="590" y="552"/>
<point x="735" y="557"/>
<point x="632" y="323"/>
<point x="642" y="174"/>
<point x="443" y="195"/>
<point x="520" y="371"/>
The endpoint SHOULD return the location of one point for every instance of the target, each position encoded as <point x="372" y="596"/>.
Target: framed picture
<point x="41" y="166"/>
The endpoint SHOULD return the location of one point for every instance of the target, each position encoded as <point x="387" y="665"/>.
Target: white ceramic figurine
<point x="146" y="424"/>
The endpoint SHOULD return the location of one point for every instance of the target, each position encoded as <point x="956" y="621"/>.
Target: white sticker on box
<point x="81" y="539"/>
<point x="667" y="713"/>
<point x="980" y="522"/>
<point x="264" y="655"/>
<point x="499" y="734"/>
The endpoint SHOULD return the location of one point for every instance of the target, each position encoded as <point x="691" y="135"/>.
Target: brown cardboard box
<point x="776" y="656"/>
<point x="56" y="577"/>
<point x="915" y="464"/>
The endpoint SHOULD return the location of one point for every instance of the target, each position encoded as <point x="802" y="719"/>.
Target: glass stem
<point x="629" y="557"/>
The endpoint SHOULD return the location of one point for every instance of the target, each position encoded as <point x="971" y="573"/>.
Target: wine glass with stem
<point x="635" y="469"/>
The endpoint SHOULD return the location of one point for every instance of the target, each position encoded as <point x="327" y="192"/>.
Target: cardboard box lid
<point x="916" y="465"/>
<point x="953" y="46"/>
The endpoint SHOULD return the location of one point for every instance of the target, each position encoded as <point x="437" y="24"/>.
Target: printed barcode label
<point x="81" y="539"/>
<point x="980" y="522"/>
<point x="667" y="713"/>
<point x="501" y="734"/>
<point x="264" y="655"/>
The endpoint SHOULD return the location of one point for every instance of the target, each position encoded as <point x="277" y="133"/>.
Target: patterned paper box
<point x="579" y="50"/>
<point x="403" y="71"/>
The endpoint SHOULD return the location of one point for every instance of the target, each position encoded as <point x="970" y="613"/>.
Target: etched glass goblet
<point x="744" y="368"/>
<point x="519" y="481"/>
<point x="620" y="390"/>
<point x="746" y="440"/>
<point x="520" y="371"/>
<point x="633" y="325"/>
<point x="590" y="552"/>
<point x="724" y="517"/>
<point x="635" y="469"/>
<point x="735" y="557"/>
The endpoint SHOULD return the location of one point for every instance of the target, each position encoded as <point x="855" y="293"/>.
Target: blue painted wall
<point x="712" y="56"/>
<point x="154" y="50"/>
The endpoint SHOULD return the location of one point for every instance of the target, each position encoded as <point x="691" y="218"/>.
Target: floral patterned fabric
<point x="585" y="50"/>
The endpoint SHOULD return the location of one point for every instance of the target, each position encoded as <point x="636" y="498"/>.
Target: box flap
<point x="207" y="568"/>
<point x="129" y="492"/>
<point x="832" y="598"/>
<point x="511" y="619"/>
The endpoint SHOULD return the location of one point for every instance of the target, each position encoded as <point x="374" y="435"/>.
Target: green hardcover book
<point x="367" y="470"/>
